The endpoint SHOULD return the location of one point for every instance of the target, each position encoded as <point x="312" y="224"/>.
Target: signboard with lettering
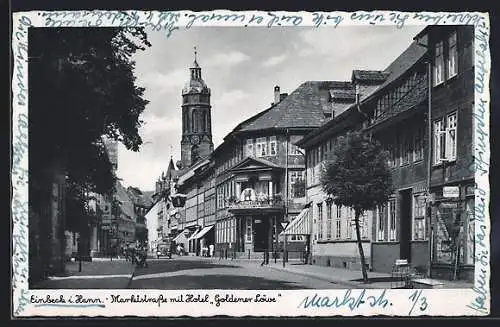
<point x="451" y="192"/>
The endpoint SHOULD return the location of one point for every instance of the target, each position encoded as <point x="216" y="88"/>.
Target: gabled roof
<point x="405" y="61"/>
<point x="126" y="204"/>
<point x="304" y="107"/>
<point x="253" y="163"/>
<point x="190" y="172"/>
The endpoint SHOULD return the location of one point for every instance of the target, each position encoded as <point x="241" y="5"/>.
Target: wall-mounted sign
<point x="451" y="191"/>
<point x="258" y="221"/>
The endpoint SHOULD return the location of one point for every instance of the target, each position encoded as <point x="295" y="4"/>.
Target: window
<point x="439" y="141"/>
<point x="249" y="147"/>
<point x="445" y="139"/>
<point x="452" y="55"/>
<point x="320" y="221"/>
<point x="328" y="220"/>
<point x="451" y="136"/>
<point x="294" y="150"/>
<point x="405" y="153"/>
<point x="380" y="224"/>
<point x="261" y="146"/>
<point x="418" y="144"/>
<point x="297" y="184"/>
<point x="419" y="217"/>
<point x="249" y="230"/>
<point x="338" y="226"/>
<point x="439" y="63"/>
<point x="272" y="146"/>
<point x="391" y="212"/>
<point x="349" y="222"/>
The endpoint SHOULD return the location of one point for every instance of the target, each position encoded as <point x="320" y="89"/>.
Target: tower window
<point x="194" y="127"/>
<point x="204" y="121"/>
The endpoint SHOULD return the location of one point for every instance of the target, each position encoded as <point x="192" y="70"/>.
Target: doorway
<point x="260" y="234"/>
<point x="405" y="219"/>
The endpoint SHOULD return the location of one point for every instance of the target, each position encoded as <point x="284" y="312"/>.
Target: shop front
<point x="453" y="233"/>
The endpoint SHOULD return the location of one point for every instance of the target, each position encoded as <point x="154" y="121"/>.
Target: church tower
<point x="196" y="140"/>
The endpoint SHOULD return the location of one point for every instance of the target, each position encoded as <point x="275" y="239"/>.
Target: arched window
<point x="184" y="121"/>
<point x="194" y="127"/>
<point x="204" y="122"/>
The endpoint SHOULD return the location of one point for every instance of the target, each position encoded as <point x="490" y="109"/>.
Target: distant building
<point x="196" y="140"/>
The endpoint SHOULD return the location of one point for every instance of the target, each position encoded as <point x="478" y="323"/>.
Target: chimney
<point x="276" y="94"/>
<point x="282" y="96"/>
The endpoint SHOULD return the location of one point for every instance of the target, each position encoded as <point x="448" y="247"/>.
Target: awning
<point x="179" y="237"/>
<point x="205" y="230"/>
<point x="193" y="236"/>
<point x="300" y="225"/>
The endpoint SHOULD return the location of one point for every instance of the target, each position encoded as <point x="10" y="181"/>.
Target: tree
<point x="81" y="88"/>
<point x="357" y="176"/>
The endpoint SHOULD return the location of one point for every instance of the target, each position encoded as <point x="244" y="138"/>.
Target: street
<point x="196" y="273"/>
<point x="183" y="273"/>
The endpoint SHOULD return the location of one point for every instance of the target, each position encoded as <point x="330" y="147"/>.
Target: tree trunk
<point x="360" y="248"/>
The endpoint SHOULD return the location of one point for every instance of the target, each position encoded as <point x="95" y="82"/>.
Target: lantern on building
<point x="178" y="200"/>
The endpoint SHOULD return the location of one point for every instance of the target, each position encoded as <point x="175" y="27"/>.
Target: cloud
<point x="156" y="125"/>
<point x="228" y="99"/>
<point x="164" y="83"/>
<point x="276" y="60"/>
<point x="226" y="59"/>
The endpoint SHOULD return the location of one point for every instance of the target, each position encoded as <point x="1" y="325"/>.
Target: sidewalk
<point x="353" y="278"/>
<point x="99" y="274"/>
<point x="347" y="277"/>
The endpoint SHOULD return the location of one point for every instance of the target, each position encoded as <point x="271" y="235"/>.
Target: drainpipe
<point x="429" y="165"/>
<point x="286" y="192"/>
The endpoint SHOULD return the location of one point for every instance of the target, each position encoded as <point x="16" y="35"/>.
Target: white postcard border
<point x="440" y="302"/>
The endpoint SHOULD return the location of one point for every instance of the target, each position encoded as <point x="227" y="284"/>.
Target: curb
<point x="317" y="276"/>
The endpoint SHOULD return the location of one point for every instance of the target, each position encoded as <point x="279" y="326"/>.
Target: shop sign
<point x="451" y="192"/>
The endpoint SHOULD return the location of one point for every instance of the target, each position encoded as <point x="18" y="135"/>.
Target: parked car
<point x="163" y="250"/>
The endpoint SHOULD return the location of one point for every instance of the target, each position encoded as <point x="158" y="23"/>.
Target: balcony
<point x="268" y="205"/>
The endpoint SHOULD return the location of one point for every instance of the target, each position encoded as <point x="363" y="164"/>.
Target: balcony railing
<point x="258" y="204"/>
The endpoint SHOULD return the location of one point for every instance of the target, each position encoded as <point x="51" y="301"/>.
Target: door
<point x="260" y="234"/>
<point x="405" y="218"/>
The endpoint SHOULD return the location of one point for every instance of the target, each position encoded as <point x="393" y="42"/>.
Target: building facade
<point x="451" y="49"/>
<point x="333" y="235"/>
<point x="429" y="160"/>
<point x="260" y="173"/>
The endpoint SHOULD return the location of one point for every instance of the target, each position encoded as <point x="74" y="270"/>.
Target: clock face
<point x="195" y="139"/>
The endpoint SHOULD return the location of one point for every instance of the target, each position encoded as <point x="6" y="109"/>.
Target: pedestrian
<point x="211" y="247"/>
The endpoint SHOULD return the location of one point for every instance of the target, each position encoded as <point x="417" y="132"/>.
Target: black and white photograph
<point x="253" y="158"/>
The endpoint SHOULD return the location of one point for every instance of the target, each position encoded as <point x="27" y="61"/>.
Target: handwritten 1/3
<point x="415" y="297"/>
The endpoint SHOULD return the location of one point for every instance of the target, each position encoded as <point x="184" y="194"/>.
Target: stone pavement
<point x="99" y="274"/>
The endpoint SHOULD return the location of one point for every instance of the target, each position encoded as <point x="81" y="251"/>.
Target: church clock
<point x="195" y="140"/>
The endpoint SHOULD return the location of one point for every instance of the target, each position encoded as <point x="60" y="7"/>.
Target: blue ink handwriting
<point x="351" y="301"/>
<point x="415" y="297"/>
<point x="320" y="19"/>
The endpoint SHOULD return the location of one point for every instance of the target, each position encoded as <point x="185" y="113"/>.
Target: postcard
<point x="250" y="163"/>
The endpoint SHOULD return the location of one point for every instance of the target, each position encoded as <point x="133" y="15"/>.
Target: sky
<point x="241" y="66"/>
